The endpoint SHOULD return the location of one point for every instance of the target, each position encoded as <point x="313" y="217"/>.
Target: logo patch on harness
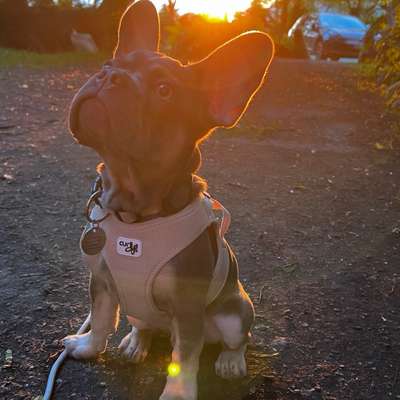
<point x="129" y="247"/>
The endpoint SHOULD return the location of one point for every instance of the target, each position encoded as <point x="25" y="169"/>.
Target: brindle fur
<point x="148" y="141"/>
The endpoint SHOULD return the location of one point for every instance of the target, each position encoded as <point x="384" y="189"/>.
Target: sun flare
<point x="174" y="369"/>
<point x="221" y="9"/>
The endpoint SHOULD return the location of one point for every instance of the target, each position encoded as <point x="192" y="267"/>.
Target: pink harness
<point x="135" y="253"/>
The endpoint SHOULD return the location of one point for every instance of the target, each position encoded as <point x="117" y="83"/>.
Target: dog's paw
<point x="83" y="347"/>
<point x="231" y="364"/>
<point x="180" y="388"/>
<point x="136" y="345"/>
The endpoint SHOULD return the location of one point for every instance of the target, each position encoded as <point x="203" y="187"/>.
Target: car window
<point x="341" y="21"/>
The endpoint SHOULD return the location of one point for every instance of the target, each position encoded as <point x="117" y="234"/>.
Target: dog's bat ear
<point x="139" y="29"/>
<point x="231" y="75"/>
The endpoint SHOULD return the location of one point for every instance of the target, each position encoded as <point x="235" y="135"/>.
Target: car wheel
<point x="319" y="50"/>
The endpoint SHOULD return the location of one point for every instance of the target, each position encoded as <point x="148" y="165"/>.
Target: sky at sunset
<point x="214" y="8"/>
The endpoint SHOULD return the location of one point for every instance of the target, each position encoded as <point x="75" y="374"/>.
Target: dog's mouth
<point x="74" y="114"/>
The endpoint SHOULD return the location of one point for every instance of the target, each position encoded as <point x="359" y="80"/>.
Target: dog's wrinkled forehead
<point x="146" y="61"/>
<point x="149" y="66"/>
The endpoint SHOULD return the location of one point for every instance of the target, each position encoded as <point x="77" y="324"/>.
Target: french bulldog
<point x="145" y="114"/>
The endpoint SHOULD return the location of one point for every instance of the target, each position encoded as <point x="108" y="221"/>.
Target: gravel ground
<point x="316" y="226"/>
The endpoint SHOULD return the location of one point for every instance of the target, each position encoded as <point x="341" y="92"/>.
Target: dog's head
<point x="144" y="113"/>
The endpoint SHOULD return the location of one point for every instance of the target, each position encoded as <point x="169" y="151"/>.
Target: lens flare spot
<point x="174" y="369"/>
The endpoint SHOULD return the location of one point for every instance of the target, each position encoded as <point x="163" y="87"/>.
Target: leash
<point x="57" y="364"/>
<point x="93" y="198"/>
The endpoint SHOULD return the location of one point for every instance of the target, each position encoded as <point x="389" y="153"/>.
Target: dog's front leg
<point x="188" y="339"/>
<point x="104" y="316"/>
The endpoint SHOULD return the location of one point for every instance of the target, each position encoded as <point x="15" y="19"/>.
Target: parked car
<point x="328" y="35"/>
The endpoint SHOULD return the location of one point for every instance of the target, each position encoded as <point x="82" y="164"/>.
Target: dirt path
<point x="316" y="226"/>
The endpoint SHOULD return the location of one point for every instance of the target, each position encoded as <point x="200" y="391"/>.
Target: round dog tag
<point x="93" y="241"/>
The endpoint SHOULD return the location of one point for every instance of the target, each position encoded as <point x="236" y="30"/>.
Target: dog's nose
<point x="101" y="75"/>
<point x="116" y="78"/>
<point x="112" y="76"/>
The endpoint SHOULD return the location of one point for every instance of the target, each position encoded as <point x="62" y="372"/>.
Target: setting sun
<point x="213" y="8"/>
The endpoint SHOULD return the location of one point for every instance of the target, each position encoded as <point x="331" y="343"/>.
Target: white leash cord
<point x="57" y="364"/>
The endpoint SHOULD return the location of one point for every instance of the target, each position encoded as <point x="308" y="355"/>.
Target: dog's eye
<point x="164" y="90"/>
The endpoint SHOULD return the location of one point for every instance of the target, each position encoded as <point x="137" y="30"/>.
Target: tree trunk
<point x="391" y="12"/>
<point x="113" y="6"/>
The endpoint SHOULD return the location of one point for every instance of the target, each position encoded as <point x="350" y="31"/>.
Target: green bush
<point x="387" y="61"/>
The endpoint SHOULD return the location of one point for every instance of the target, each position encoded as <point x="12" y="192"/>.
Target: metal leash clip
<point x="97" y="184"/>
<point x="94" y="198"/>
<point x="93" y="238"/>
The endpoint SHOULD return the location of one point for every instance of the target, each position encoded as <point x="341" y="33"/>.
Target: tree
<point x="113" y="6"/>
<point x="255" y="17"/>
<point x="42" y="3"/>
<point x="65" y="3"/>
<point x="387" y="58"/>
<point x="14" y="4"/>
<point x="170" y="26"/>
<point x="283" y="13"/>
<point x="357" y="8"/>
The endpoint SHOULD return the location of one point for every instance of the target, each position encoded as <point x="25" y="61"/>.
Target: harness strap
<point x="221" y="271"/>
<point x="225" y="219"/>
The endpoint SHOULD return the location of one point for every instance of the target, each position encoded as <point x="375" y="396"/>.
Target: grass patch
<point x="13" y="58"/>
<point x="366" y="70"/>
<point x="367" y="77"/>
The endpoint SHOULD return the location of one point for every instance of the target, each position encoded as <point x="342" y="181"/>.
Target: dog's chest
<point x="136" y="253"/>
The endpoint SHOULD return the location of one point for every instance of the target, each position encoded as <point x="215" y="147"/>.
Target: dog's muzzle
<point x="88" y="117"/>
